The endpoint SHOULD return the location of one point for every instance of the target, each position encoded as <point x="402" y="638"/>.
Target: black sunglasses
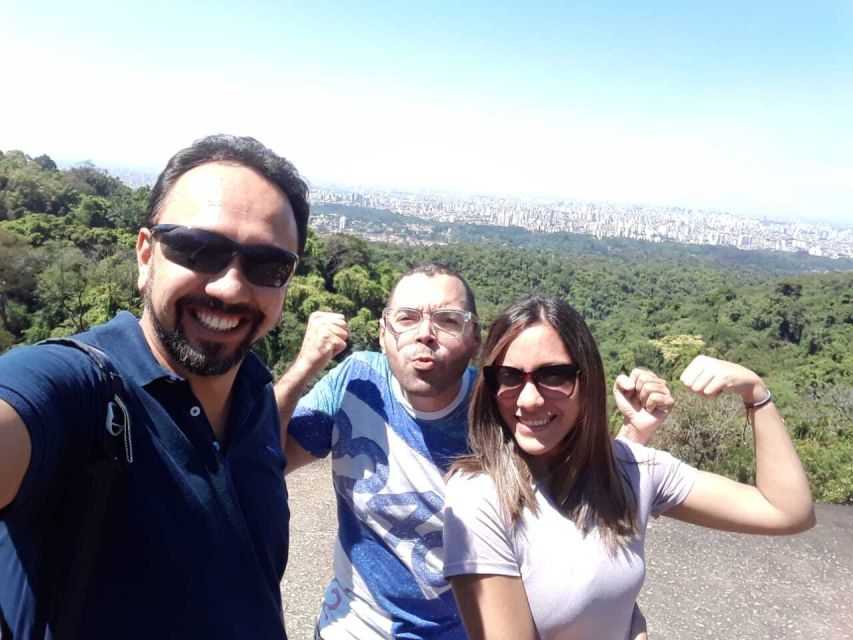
<point x="552" y="380"/>
<point x="208" y="252"/>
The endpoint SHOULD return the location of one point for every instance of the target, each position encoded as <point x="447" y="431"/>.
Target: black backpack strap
<point x="118" y="441"/>
<point x="118" y="446"/>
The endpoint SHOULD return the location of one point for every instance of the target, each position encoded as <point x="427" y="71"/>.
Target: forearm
<point x="325" y="337"/>
<point x="629" y="432"/>
<point x="780" y="502"/>
<point x="290" y="388"/>
<point x="15" y="452"/>
<point x="493" y="607"/>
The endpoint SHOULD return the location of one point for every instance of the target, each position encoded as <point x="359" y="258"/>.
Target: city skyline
<point x="733" y="107"/>
<point x="600" y="220"/>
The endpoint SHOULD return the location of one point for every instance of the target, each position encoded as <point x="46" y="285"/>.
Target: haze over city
<point x="737" y="107"/>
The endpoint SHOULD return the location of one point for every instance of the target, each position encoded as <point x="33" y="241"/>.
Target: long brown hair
<point x="584" y="481"/>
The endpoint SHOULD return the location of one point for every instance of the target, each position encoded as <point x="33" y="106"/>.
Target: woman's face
<point x="539" y="416"/>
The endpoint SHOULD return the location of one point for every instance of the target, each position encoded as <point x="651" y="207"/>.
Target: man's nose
<point x="425" y="329"/>
<point x="230" y="284"/>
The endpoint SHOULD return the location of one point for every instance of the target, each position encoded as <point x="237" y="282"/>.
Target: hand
<point x="325" y="337"/>
<point x="710" y="377"/>
<point x="644" y="401"/>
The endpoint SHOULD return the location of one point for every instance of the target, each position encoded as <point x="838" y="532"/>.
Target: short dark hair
<point x="237" y="150"/>
<point x="432" y="269"/>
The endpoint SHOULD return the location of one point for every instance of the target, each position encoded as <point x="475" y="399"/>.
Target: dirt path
<point x="700" y="583"/>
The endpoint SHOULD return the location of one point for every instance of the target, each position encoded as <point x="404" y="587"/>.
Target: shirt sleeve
<point x="672" y="479"/>
<point x="313" y="420"/>
<point x="666" y="480"/>
<point x="476" y="540"/>
<point x="60" y="396"/>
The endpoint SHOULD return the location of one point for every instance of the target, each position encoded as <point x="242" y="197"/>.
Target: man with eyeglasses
<point x="192" y="539"/>
<point x="392" y="423"/>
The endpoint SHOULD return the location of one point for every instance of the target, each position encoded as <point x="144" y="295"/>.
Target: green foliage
<point x="355" y="284"/>
<point x="830" y="470"/>
<point x="66" y="263"/>
<point x="90" y="180"/>
<point x="364" y="331"/>
<point x="27" y="186"/>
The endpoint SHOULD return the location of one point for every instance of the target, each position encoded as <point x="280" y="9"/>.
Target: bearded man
<point x="193" y="536"/>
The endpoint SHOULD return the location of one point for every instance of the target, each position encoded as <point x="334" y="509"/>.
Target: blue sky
<point x="736" y="106"/>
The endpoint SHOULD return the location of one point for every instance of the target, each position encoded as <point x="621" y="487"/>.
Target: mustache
<point x="419" y="350"/>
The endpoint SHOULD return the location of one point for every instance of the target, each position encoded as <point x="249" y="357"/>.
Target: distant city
<point x="642" y="222"/>
<point x="598" y="219"/>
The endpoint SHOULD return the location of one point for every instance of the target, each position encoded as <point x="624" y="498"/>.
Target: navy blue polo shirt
<point x="194" y="541"/>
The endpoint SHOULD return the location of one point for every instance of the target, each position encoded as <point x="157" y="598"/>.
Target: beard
<point x="209" y="358"/>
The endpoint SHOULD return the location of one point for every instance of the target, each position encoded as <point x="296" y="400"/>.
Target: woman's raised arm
<point x="781" y="501"/>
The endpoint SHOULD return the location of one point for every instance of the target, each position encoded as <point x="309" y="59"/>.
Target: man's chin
<point x="423" y="386"/>
<point x="205" y="358"/>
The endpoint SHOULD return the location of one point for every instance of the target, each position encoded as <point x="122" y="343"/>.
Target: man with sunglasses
<point x="192" y="540"/>
<point x="392" y="422"/>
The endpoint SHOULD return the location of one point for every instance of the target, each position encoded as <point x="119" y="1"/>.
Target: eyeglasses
<point x="555" y="380"/>
<point x="451" y="321"/>
<point x="208" y="252"/>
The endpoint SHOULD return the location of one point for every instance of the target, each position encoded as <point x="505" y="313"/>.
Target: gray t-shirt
<point x="575" y="587"/>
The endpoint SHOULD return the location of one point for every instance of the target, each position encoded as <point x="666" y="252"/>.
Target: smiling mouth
<point x="536" y="425"/>
<point x="216" y="322"/>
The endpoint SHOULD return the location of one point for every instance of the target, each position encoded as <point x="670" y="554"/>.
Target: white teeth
<point x="537" y="423"/>
<point x="217" y="323"/>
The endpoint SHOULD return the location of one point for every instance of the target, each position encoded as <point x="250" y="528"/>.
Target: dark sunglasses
<point x="208" y="252"/>
<point x="552" y="380"/>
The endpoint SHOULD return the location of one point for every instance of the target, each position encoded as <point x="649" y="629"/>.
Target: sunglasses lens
<point x="196" y="250"/>
<point x="509" y="378"/>
<point x="268" y="266"/>
<point x="502" y="380"/>
<point x="507" y="382"/>
<point x="557" y="376"/>
<point x="208" y="252"/>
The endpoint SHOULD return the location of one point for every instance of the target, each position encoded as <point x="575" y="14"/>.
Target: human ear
<point x="144" y="255"/>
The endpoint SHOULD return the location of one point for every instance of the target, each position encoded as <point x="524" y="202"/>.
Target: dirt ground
<point x="699" y="584"/>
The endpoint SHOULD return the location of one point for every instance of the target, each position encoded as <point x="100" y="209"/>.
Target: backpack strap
<point x="117" y="427"/>
<point x="118" y="446"/>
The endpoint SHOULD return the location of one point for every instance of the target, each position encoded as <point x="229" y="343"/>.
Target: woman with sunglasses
<point x="545" y="520"/>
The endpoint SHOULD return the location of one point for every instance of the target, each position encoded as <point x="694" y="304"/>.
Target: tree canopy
<point x="67" y="263"/>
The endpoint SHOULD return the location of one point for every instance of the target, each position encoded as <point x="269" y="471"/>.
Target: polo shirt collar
<point x="123" y="335"/>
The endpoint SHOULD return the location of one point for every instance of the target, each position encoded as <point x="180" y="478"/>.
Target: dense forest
<point x="67" y="263"/>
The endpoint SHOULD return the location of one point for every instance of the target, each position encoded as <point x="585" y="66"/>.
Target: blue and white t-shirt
<point x="388" y="465"/>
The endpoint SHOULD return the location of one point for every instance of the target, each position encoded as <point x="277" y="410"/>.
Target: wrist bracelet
<point x="751" y="407"/>
<point x="760" y="403"/>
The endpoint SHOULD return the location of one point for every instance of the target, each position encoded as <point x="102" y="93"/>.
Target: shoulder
<point x="469" y="487"/>
<point x="656" y="475"/>
<point x="361" y="364"/>
<point x="628" y="452"/>
<point x="49" y="363"/>
<point x="357" y="373"/>
<point x="368" y="360"/>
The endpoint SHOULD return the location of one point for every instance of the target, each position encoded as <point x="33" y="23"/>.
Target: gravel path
<point x="700" y="583"/>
